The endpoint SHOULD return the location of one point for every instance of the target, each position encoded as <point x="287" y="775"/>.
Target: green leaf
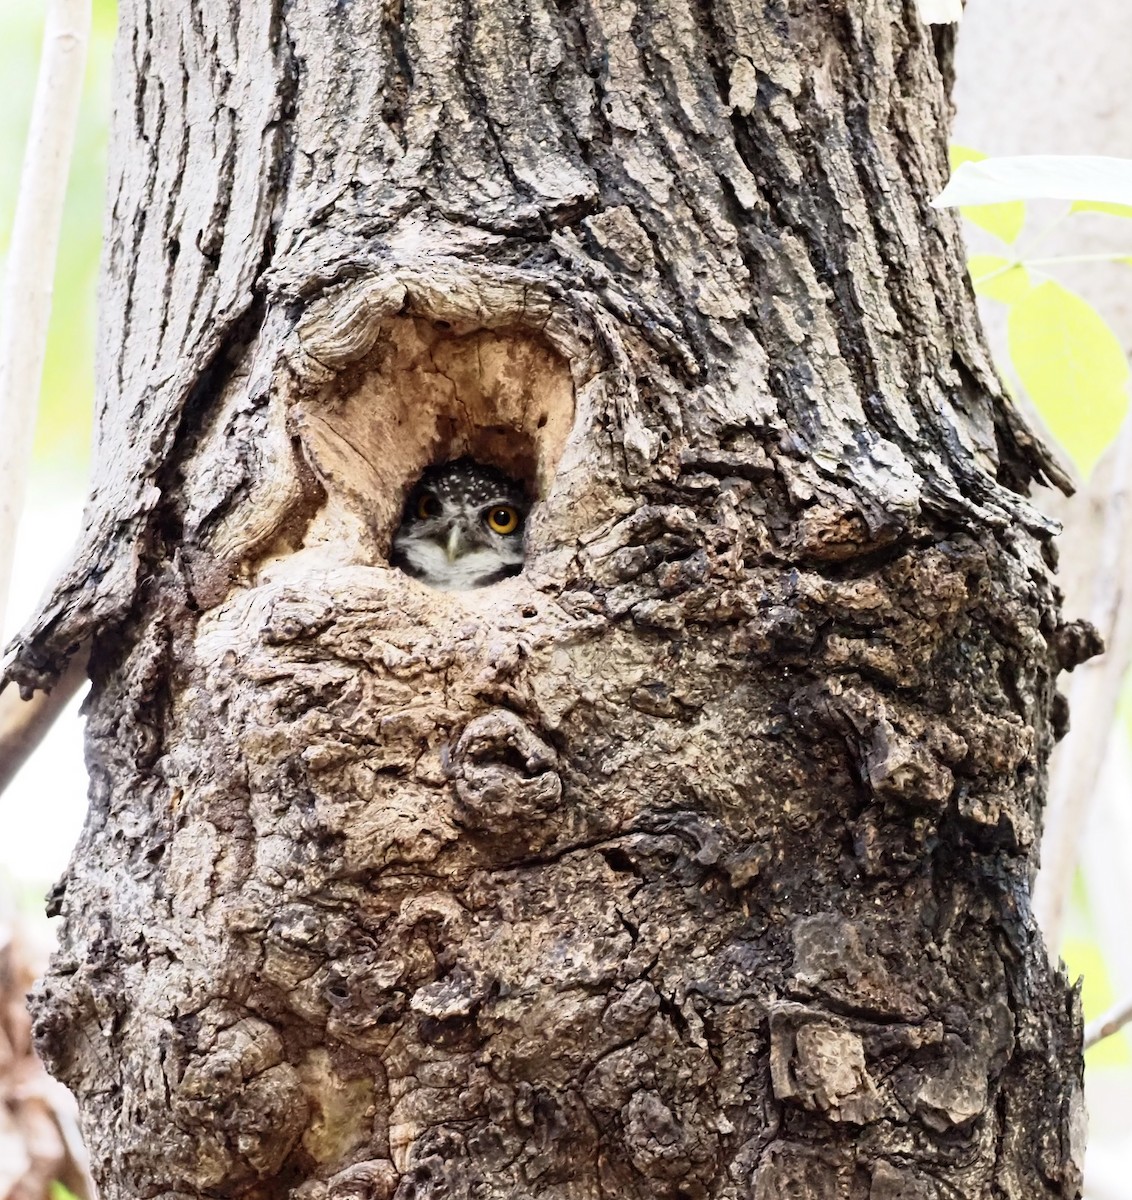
<point x="957" y="155"/>
<point x="1004" y="221"/>
<point x="1101" y="206"/>
<point x="998" y="278"/>
<point x="60" y="1191"/>
<point x="1073" y="368"/>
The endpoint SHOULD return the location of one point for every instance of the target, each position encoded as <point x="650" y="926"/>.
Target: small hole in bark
<point x="390" y="1013"/>
<point x="450" y="1031"/>
<point x="617" y="860"/>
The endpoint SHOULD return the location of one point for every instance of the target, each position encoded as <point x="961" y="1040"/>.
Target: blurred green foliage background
<point x="62" y="444"/>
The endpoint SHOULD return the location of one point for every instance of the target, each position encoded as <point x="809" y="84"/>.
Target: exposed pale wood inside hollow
<point x="427" y="394"/>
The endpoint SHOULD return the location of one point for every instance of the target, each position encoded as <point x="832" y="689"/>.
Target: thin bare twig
<point x="30" y="269"/>
<point x="1109" y="1023"/>
<point x="23" y="723"/>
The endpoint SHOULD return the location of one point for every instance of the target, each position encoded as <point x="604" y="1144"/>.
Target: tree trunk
<point x="694" y="861"/>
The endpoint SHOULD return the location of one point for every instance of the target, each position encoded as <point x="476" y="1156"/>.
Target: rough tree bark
<point x="693" y="862"/>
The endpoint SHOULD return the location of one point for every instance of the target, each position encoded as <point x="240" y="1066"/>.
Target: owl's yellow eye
<point x="428" y="506"/>
<point x="502" y="518"/>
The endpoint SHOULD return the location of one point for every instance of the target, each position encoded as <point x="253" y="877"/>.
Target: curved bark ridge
<point x="692" y="862"/>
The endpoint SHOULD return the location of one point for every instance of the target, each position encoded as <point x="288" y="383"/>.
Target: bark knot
<point x="505" y="774"/>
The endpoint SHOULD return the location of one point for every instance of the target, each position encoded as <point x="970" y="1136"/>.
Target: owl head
<point x="462" y="527"/>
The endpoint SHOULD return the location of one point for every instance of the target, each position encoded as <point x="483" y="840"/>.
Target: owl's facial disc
<point x="462" y="527"/>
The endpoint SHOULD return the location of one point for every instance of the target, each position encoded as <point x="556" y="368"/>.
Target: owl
<point x="462" y="527"/>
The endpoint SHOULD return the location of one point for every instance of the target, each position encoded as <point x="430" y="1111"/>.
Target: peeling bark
<point x="694" y="861"/>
